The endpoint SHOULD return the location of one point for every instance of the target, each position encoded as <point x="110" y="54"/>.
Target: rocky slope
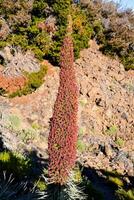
<point x="106" y="113"/>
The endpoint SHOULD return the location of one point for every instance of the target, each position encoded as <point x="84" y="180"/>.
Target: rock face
<point x="107" y="92"/>
<point x="106" y="110"/>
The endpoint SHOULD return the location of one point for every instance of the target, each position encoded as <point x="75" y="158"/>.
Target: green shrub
<point x="27" y="135"/>
<point x="43" y="41"/>
<point x="30" y="37"/>
<point x="36" y="126"/>
<point x="41" y="185"/>
<point x="125" y="195"/>
<point x="18" y="40"/>
<point x="105" y="19"/>
<point x="120" y="142"/>
<point x="81" y="146"/>
<point x="39" y="7"/>
<point x="3" y="43"/>
<point x="77" y="176"/>
<point x="112" y="130"/>
<point x="54" y="52"/>
<point x="34" y="81"/>
<point x="128" y="61"/>
<point x="82" y="132"/>
<point x="82" y="31"/>
<point x="116" y="181"/>
<point x="61" y="9"/>
<point x="39" y="41"/>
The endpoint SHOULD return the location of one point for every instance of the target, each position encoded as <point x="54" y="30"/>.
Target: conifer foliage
<point x="63" y="132"/>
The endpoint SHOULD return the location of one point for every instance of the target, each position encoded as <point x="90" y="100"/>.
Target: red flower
<point x="63" y="131"/>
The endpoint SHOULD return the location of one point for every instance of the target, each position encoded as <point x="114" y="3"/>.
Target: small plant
<point x="27" y="135"/>
<point x="116" y="181"/>
<point x="77" y="176"/>
<point x="4" y="157"/>
<point x="125" y="195"/>
<point x="35" y="126"/>
<point x="14" y="122"/>
<point x="129" y="87"/>
<point x="82" y="30"/>
<point x="120" y="142"/>
<point x="82" y="131"/>
<point x="81" y="146"/>
<point x="83" y="102"/>
<point x="112" y="130"/>
<point x="41" y="185"/>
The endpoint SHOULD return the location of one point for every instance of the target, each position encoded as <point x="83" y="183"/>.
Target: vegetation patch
<point x="14" y="122"/>
<point x="81" y="146"/>
<point x="34" y="81"/>
<point x="120" y="142"/>
<point x="112" y="130"/>
<point x="125" y="194"/>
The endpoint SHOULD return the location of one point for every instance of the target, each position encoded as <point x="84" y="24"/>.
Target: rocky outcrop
<point x="106" y="95"/>
<point x="17" y="62"/>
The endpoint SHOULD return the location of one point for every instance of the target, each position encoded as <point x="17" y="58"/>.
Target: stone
<point x="108" y="150"/>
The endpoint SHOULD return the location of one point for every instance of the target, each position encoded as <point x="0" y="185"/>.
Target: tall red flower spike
<point x="62" y="140"/>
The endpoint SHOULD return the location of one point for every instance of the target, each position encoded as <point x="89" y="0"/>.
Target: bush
<point x="125" y="195"/>
<point x="54" y="52"/>
<point x="105" y="19"/>
<point x="27" y="34"/>
<point x="116" y="181"/>
<point x="61" y="10"/>
<point x="18" y="40"/>
<point x="81" y="146"/>
<point x="120" y="142"/>
<point x="99" y="20"/>
<point x="82" y="31"/>
<point x="34" y="81"/>
<point x="14" y="122"/>
<point x="39" y="8"/>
